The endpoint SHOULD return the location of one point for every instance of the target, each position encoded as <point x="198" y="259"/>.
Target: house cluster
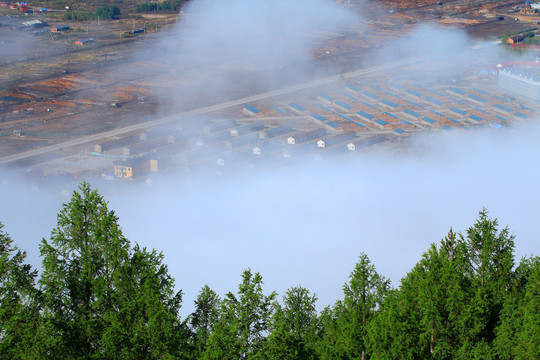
<point x="529" y="9"/>
<point x="20" y="6"/>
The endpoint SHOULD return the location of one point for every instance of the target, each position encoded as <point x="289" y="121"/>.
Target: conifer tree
<point x="204" y="318"/>
<point x="19" y="307"/>
<point x="489" y="254"/>
<point x="244" y="322"/>
<point x="294" y="326"/>
<point x="101" y="298"/>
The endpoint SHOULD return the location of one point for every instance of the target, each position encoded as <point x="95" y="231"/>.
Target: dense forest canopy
<point x="100" y="297"/>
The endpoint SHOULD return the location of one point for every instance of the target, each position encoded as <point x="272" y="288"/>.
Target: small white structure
<point x="33" y="23"/>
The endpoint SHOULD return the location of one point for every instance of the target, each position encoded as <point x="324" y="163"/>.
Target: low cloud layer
<point x="240" y="46"/>
<point x="307" y="224"/>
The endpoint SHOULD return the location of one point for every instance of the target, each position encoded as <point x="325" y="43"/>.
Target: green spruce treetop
<point x="103" y="299"/>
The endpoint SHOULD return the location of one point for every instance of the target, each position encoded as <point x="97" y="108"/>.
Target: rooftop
<point x="389" y="103"/>
<point x="415" y="104"/>
<point x="343" y="105"/>
<point x="433" y="101"/>
<point x="502" y="107"/>
<point x="413" y="93"/>
<point x="323" y="107"/>
<point x="318" y="117"/>
<point x="251" y="109"/>
<point x="458" y="111"/>
<point x="370" y="95"/>
<point x="477" y="98"/>
<point x="368" y="105"/>
<point x="325" y="96"/>
<point x="365" y="114"/>
<point x="297" y="107"/>
<point x="456" y="90"/>
<point x="390" y="115"/>
<point x="412" y="112"/>
<point x="406" y="122"/>
<point x="332" y="124"/>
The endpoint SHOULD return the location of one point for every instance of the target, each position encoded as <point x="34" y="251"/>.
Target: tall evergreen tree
<point x="244" y="322"/>
<point x="394" y="333"/>
<point x="19" y="308"/>
<point x="519" y="328"/>
<point x="448" y="306"/>
<point x="345" y="327"/>
<point x="332" y="340"/>
<point x="294" y="326"/>
<point x="436" y="292"/>
<point x="364" y="295"/>
<point x="204" y="318"/>
<point x="490" y="259"/>
<point x="102" y="298"/>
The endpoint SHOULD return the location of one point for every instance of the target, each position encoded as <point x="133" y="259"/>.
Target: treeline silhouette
<point x="158" y="6"/>
<point x="99" y="297"/>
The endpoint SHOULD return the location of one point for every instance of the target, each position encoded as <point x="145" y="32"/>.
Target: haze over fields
<point x="306" y="223"/>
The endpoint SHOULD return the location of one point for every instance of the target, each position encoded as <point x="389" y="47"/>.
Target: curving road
<point x="204" y="110"/>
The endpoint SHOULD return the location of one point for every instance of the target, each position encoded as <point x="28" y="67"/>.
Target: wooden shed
<point x="84" y="41"/>
<point x="60" y="28"/>
<point x="515" y="39"/>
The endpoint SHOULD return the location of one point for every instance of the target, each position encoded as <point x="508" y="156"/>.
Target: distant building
<point x="34" y="23"/>
<point x="306" y="136"/>
<point x="135" y="168"/>
<point x="298" y="109"/>
<point x="84" y="41"/>
<point x="60" y="28"/>
<point x="520" y="84"/>
<point x="335" y="139"/>
<point x="515" y="39"/>
<point x="137" y="31"/>
<point x="246" y="129"/>
<point x="382" y="124"/>
<point x="123" y="172"/>
<point x="251" y="110"/>
<point x="527" y="9"/>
